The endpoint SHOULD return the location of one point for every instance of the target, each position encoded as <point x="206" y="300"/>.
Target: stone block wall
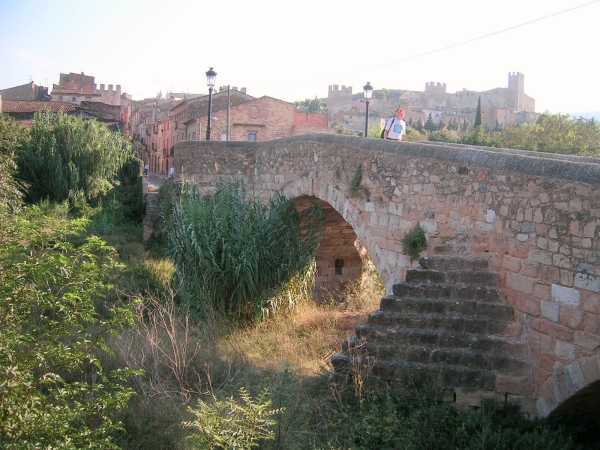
<point x="535" y="216"/>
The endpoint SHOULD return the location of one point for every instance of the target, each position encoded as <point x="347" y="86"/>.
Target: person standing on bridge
<point x="395" y="127"/>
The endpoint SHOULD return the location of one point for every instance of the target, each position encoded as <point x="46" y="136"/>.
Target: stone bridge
<point x="532" y="220"/>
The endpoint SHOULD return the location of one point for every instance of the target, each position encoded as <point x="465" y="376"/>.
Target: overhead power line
<point x="492" y="33"/>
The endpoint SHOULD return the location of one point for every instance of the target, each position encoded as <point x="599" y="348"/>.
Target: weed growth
<point x="233" y="252"/>
<point x="414" y="242"/>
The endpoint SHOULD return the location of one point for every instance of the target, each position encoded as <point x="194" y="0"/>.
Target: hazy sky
<point x="293" y="50"/>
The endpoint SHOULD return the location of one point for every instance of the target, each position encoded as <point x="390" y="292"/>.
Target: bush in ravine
<point x="66" y="155"/>
<point x="232" y="252"/>
<point x="55" y="392"/>
<point x="416" y="420"/>
<point x="230" y="424"/>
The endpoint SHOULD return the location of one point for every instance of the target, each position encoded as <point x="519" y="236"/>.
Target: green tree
<point x="68" y="155"/>
<point x="477" y="123"/>
<point x="314" y="105"/>
<point x="553" y="133"/>
<point x="55" y="390"/>
<point x="12" y="139"/>
<point x="429" y="124"/>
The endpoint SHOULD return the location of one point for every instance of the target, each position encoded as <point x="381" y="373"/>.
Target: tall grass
<point x="233" y="252"/>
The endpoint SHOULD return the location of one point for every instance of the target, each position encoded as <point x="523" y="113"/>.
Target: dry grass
<point x="288" y="353"/>
<point x="304" y="338"/>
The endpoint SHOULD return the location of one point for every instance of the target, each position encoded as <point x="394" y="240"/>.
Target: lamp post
<point x="211" y="75"/>
<point x="368" y="93"/>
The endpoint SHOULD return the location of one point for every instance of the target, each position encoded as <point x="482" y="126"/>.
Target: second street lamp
<point x="211" y="76"/>
<point x="368" y="92"/>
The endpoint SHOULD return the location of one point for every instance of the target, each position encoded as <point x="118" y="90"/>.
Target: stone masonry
<point x="535" y="218"/>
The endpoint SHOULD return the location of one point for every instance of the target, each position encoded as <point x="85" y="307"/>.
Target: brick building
<point x="250" y="119"/>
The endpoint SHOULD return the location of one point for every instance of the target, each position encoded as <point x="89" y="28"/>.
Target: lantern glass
<point x="211" y="77"/>
<point x="368" y="91"/>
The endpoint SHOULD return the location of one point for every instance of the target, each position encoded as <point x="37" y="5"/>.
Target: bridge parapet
<point x="534" y="216"/>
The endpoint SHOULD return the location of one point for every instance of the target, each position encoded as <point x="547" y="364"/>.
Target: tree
<point x="430" y="125"/>
<point x="12" y="138"/>
<point x="57" y="389"/>
<point x="478" y="114"/>
<point x="68" y="155"/>
<point x="314" y="105"/>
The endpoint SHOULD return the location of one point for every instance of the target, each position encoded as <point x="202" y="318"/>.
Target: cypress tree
<point x="478" y="114"/>
<point x="429" y="125"/>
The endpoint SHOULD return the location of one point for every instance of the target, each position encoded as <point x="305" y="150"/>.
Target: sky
<point x="294" y="50"/>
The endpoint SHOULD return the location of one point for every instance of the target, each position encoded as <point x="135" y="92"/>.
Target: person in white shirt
<point x="395" y="127"/>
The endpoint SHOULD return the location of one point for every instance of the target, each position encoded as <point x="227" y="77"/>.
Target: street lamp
<point x="368" y="93"/>
<point x="211" y="76"/>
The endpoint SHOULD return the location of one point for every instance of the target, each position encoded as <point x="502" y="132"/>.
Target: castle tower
<point x="516" y="87"/>
<point x="338" y="99"/>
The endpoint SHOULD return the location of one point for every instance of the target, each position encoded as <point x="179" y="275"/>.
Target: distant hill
<point x="587" y="115"/>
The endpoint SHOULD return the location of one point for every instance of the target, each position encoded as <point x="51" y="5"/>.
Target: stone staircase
<point x="445" y="322"/>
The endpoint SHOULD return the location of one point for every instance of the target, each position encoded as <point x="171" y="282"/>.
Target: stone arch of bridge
<point x="345" y="242"/>
<point x="572" y="390"/>
<point x="340" y="254"/>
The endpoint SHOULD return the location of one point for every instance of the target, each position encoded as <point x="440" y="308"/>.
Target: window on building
<point x="252" y="136"/>
<point x="74" y="99"/>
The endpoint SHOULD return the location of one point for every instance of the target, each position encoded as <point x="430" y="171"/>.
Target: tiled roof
<point x="15" y="106"/>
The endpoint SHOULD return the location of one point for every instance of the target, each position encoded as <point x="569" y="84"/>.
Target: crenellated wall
<point x="536" y="217"/>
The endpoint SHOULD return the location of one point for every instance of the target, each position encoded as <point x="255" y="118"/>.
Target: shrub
<point x="414" y="242"/>
<point x="55" y="392"/>
<point x="414" y="420"/>
<point x="413" y="135"/>
<point x="231" y="251"/>
<point x="231" y="424"/>
<point x="10" y="195"/>
<point x="445" y="135"/>
<point x="130" y="190"/>
<point x="12" y="138"/>
<point x="66" y="155"/>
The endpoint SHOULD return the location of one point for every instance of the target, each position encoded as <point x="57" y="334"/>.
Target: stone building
<point x="500" y="106"/>
<point x="26" y="92"/>
<point x="78" y="87"/>
<point x="23" y="111"/>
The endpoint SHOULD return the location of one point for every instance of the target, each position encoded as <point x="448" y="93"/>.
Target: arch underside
<point x="338" y="259"/>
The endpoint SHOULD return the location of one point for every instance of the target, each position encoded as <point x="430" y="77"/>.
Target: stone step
<point x="436" y="338"/>
<point x="449" y="376"/>
<point x="458" y="323"/>
<point x="426" y="276"/>
<point x="452" y="263"/>
<point x="448" y="291"/>
<point x="471" y="359"/>
<point x="473" y="309"/>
